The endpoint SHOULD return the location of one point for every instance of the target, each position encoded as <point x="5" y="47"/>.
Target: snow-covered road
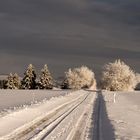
<point x="101" y="127"/>
<point x="79" y="115"/>
<point x="58" y="119"/>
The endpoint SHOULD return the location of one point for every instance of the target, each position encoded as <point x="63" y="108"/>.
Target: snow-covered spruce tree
<point x="29" y="80"/>
<point x="118" y="76"/>
<point x="78" y="78"/>
<point x="10" y="83"/>
<point x="17" y="81"/>
<point x="13" y="81"/>
<point x="46" y="80"/>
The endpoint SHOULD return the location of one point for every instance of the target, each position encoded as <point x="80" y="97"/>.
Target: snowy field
<point x="14" y="99"/>
<point x="124" y="114"/>
<point x="70" y="115"/>
<point x="59" y="118"/>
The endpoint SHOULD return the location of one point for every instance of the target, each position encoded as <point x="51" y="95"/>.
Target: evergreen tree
<point x="65" y="84"/>
<point x="16" y="81"/>
<point x="10" y="83"/>
<point x="46" y="80"/>
<point x="13" y="81"/>
<point x="29" y="80"/>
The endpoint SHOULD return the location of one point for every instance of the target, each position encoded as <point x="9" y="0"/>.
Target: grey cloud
<point x="68" y="33"/>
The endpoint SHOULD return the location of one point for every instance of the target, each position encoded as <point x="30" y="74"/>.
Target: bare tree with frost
<point x="78" y="78"/>
<point x="138" y="77"/>
<point x="118" y="76"/>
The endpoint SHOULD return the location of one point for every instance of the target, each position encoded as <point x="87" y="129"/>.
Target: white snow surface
<point x="71" y="117"/>
<point x="18" y="121"/>
<point x="15" y="99"/>
<point x="124" y="114"/>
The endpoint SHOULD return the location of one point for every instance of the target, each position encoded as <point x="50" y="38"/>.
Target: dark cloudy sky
<point x="68" y="33"/>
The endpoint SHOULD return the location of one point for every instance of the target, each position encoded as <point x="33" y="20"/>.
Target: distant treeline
<point x="116" y="76"/>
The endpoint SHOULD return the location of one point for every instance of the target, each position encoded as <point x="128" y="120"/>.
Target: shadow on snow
<point x="101" y="127"/>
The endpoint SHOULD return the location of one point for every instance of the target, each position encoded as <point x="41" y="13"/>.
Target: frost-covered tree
<point x="78" y="78"/>
<point x="10" y="82"/>
<point x="17" y="81"/>
<point x="138" y="78"/>
<point x="29" y="80"/>
<point x="138" y="81"/>
<point x="13" y="81"/>
<point x="46" y="80"/>
<point x="118" y="76"/>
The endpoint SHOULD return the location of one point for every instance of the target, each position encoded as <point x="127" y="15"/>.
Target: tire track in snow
<point x="45" y="122"/>
<point x="103" y="129"/>
<point x="75" y="124"/>
<point x="82" y="127"/>
<point x="47" y="131"/>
